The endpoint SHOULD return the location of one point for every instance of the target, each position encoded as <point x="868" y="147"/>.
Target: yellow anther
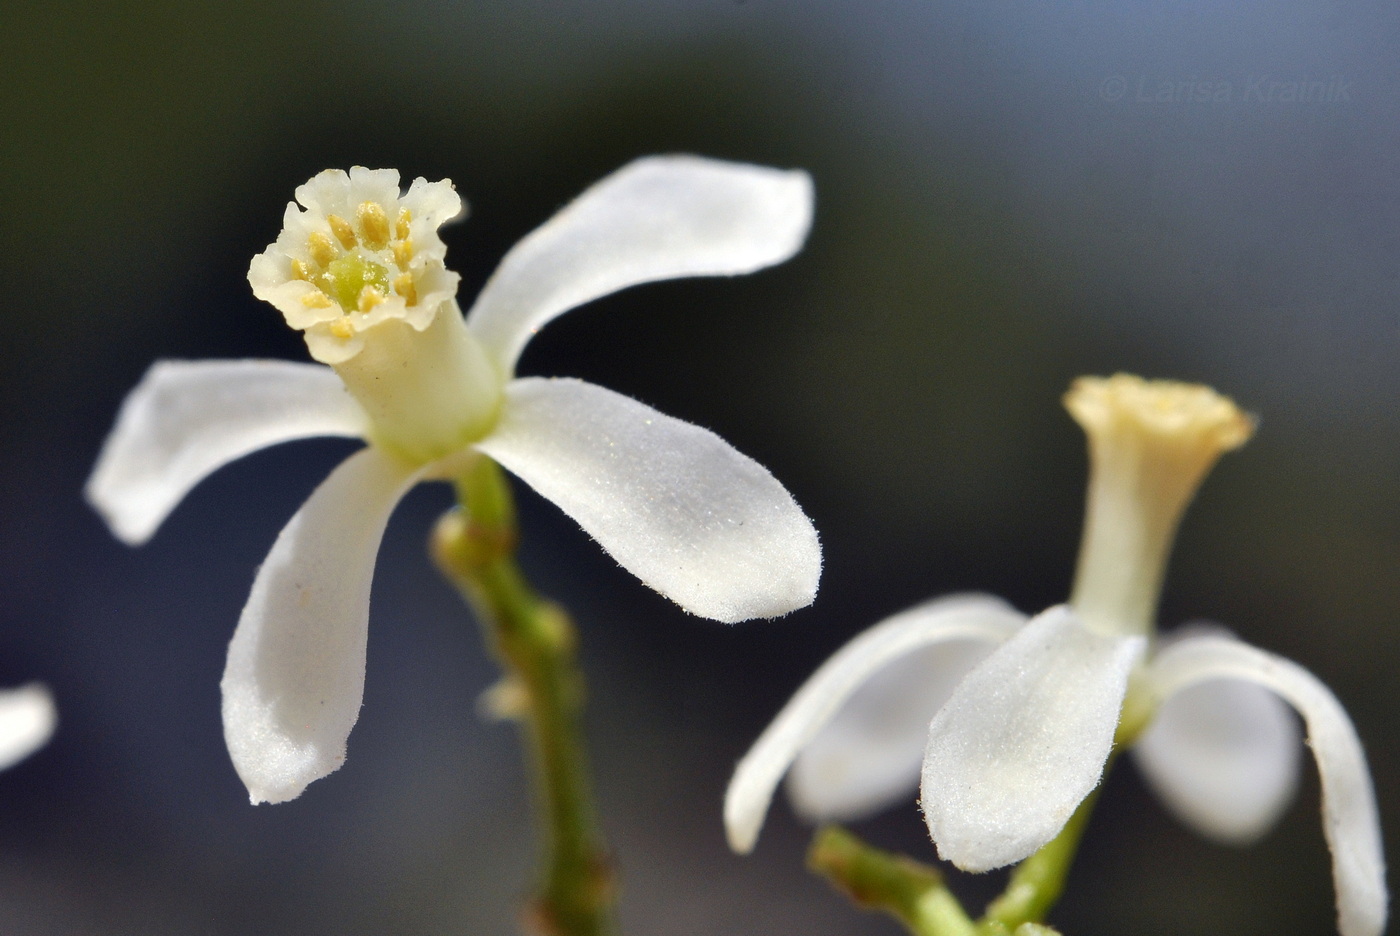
<point x="342" y="230"/>
<point x="299" y="270"/>
<point x="374" y="224"/>
<point x="369" y="298"/>
<point x="316" y="300"/>
<point x="401" y="228"/>
<point x="403" y="252"/>
<point x="403" y="285"/>
<point x="322" y="250"/>
<point x="342" y="328"/>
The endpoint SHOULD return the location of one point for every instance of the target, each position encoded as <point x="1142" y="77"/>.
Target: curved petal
<point x="1349" y="817"/>
<point x="187" y="418"/>
<point x="1023" y="740"/>
<point x="868" y="757"/>
<point x="657" y="218"/>
<point x="842" y="681"/>
<point x="296" y="665"/>
<point x="674" y="504"/>
<point x="27" y="721"/>
<point x="1223" y="755"/>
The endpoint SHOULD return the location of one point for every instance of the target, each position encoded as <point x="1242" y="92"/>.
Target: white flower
<point x="1025" y="712"/>
<point x="28" y="718"/>
<point x="360" y="270"/>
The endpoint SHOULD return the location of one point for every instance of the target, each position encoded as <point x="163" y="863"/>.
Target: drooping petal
<point x="27" y="721"/>
<point x="835" y="697"/>
<point x="1023" y="739"/>
<point x="657" y="218"/>
<point x="187" y="418"/>
<point x="674" y="504"/>
<point x="296" y="665"/>
<point x="1349" y="818"/>
<point x="1223" y="755"/>
<point x="868" y="757"/>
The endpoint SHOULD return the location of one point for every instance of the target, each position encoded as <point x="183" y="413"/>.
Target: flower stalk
<point x="535" y="643"/>
<point x="910" y="891"/>
<point x="915" y="894"/>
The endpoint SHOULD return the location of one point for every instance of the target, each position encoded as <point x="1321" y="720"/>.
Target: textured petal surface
<point x="674" y="504"/>
<point x="296" y="665"/>
<point x="867" y="757"/>
<point x="1223" y="755"/>
<point x="187" y="418"/>
<point x="835" y="699"/>
<point x="657" y="218"/>
<point x="1349" y="818"/>
<point x="27" y="721"/>
<point x="1023" y="740"/>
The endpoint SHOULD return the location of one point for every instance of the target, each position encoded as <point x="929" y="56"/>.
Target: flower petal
<point x="1223" y="755"/>
<point x="868" y="757"/>
<point x="27" y="721"/>
<point x="816" y="715"/>
<point x="657" y="218"/>
<point x="1349" y="818"/>
<point x="674" y="504"/>
<point x="1023" y="740"/>
<point x="296" y="665"/>
<point x="187" y="418"/>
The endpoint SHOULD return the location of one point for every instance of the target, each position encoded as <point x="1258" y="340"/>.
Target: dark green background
<point x="992" y="221"/>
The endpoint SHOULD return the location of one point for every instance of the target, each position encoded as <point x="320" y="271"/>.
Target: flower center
<point x="346" y="280"/>
<point x="1151" y="444"/>
<point x="359" y="269"/>
<point x="350" y="264"/>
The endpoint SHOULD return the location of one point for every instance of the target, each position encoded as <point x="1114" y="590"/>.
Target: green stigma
<point x="347" y="276"/>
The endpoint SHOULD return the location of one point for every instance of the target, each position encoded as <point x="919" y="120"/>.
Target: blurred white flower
<point x="28" y="718"/>
<point x="1009" y="733"/>
<point x="360" y="269"/>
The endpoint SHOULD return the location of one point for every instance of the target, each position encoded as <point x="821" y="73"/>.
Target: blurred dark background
<point x="1009" y="194"/>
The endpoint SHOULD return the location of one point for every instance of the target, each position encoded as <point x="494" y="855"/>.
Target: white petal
<point x="27" y="721"/>
<point x="1223" y="755"/>
<point x="187" y="418"/>
<point x="674" y="504"/>
<point x="1023" y="740"/>
<point x="868" y="756"/>
<point x="657" y="218"/>
<point x="839" y="683"/>
<point x="1349" y="818"/>
<point x="296" y="665"/>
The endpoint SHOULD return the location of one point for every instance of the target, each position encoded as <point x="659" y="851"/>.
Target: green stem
<point x="535" y="643"/>
<point x="911" y="892"/>
<point x="915" y="894"/>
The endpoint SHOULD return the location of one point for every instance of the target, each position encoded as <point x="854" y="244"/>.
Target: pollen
<point x="321" y="248"/>
<point x="403" y="253"/>
<point x="317" y="300"/>
<point x="403" y="285"/>
<point x="299" y="271"/>
<point x="401" y="227"/>
<point x="342" y="230"/>
<point x="370" y="297"/>
<point x="374" y="223"/>
<point x="342" y="328"/>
